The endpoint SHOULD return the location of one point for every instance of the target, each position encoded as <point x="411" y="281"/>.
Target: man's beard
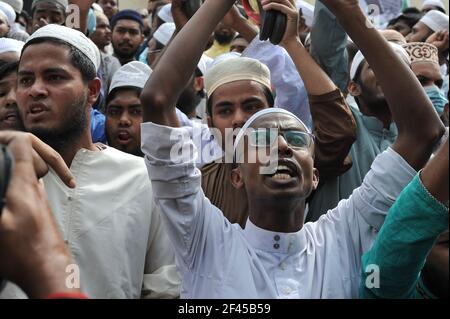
<point x="377" y="104"/>
<point x="122" y="55"/>
<point x="72" y="126"/>
<point x="223" y="38"/>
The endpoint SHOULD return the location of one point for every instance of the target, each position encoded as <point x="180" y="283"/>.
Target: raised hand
<point x="440" y="40"/>
<point x="32" y="252"/>
<point x="288" y="8"/>
<point x="43" y="156"/>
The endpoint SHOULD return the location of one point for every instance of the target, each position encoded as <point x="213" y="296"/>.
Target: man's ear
<point x="237" y="179"/>
<point x="94" y="87"/>
<point x="316" y="178"/>
<point x="199" y="84"/>
<point x="210" y="121"/>
<point x="354" y="88"/>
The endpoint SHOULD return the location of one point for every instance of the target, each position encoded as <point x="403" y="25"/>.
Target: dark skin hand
<point x="32" y="252"/>
<point x="161" y="91"/>
<point x="418" y="124"/>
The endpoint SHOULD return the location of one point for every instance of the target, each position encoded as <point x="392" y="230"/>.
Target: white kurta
<point x="113" y="227"/>
<point x="220" y="260"/>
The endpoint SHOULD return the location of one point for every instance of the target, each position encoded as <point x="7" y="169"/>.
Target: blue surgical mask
<point x="437" y="98"/>
<point x="91" y="22"/>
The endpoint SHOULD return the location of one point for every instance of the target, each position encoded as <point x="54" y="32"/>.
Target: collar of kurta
<point x="273" y="242"/>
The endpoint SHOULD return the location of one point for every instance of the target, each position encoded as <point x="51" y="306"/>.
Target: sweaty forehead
<point x="280" y="121"/>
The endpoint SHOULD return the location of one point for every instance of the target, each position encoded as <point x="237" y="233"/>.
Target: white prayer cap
<point x="204" y="64"/>
<point x="165" y="13"/>
<point x="133" y="74"/>
<point x="436" y="20"/>
<point x="260" y="114"/>
<point x="97" y="8"/>
<point x="8" y="12"/>
<point x="62" y="3"/>
<point x="238" y="69"/>
<point x="11" y="45"/>
<point x="17" y="5"/>
<point x="71" y="37"/>
<point x="435" y="3"/>
<point x="359" y="59"/>
<point x="307" y="10"/>
<point x="224" y="57"/>
<point x="165" y="33"/>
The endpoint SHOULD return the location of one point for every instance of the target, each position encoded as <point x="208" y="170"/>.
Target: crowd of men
<point x="164" y="153"/>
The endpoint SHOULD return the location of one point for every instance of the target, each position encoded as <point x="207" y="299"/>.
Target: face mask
<point x="437" y="98"/>
<point x="91" y="22"/>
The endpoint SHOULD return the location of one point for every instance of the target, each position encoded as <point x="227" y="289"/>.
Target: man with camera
<point x="32" y="252"/>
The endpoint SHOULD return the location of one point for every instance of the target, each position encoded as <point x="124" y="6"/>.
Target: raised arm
<point x="333" y="122"/>
<point x="414" y="222"/>
<point x="418" y="124"/>
<point x="329" y="46"/>
<point x="178" y="63"/>
<point x="316" y="80"/>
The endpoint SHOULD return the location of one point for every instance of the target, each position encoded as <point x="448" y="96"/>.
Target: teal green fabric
<point x="329" y="46"/>
<point x="409" y="232"/>
<point x="372" y="140"/>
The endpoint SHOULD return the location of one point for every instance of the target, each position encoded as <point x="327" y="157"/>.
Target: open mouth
<point x="124" y="137"/>
<point x="283" y="173"/>
<point x="36" y="110"/>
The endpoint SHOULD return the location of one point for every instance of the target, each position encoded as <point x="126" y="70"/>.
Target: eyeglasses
<point x="268" y="137"/>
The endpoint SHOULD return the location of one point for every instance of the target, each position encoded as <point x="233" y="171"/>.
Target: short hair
<point x="7" y="68"/>
<point x="269" y="96"/>
<point x="78" y="59"/>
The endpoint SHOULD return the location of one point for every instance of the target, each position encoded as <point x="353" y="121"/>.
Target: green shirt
<point x="409" y="232"/>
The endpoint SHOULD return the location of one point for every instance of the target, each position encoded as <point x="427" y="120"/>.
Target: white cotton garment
<point x="218" y="260"/>
<point x="113" y="228"/>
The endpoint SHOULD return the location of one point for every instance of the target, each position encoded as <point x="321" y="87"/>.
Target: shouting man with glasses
<point x="277" y="255"/>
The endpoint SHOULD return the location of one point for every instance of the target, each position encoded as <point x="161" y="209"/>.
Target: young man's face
<point x="369" y="89"/>
<point x="47" y="13"/>
<point x="127" y="38"/>
<point x="428" y="73"/>
<point x="110" y="7"/>
<point x="234" y="103"/>
<point x="9" y="113"/>
<point x="123" y="121"/>
<point x="420" y="33"/>
<point x="293" y="175"/>
<point x="51" y="95"/>
<point x="102" y="35"/>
